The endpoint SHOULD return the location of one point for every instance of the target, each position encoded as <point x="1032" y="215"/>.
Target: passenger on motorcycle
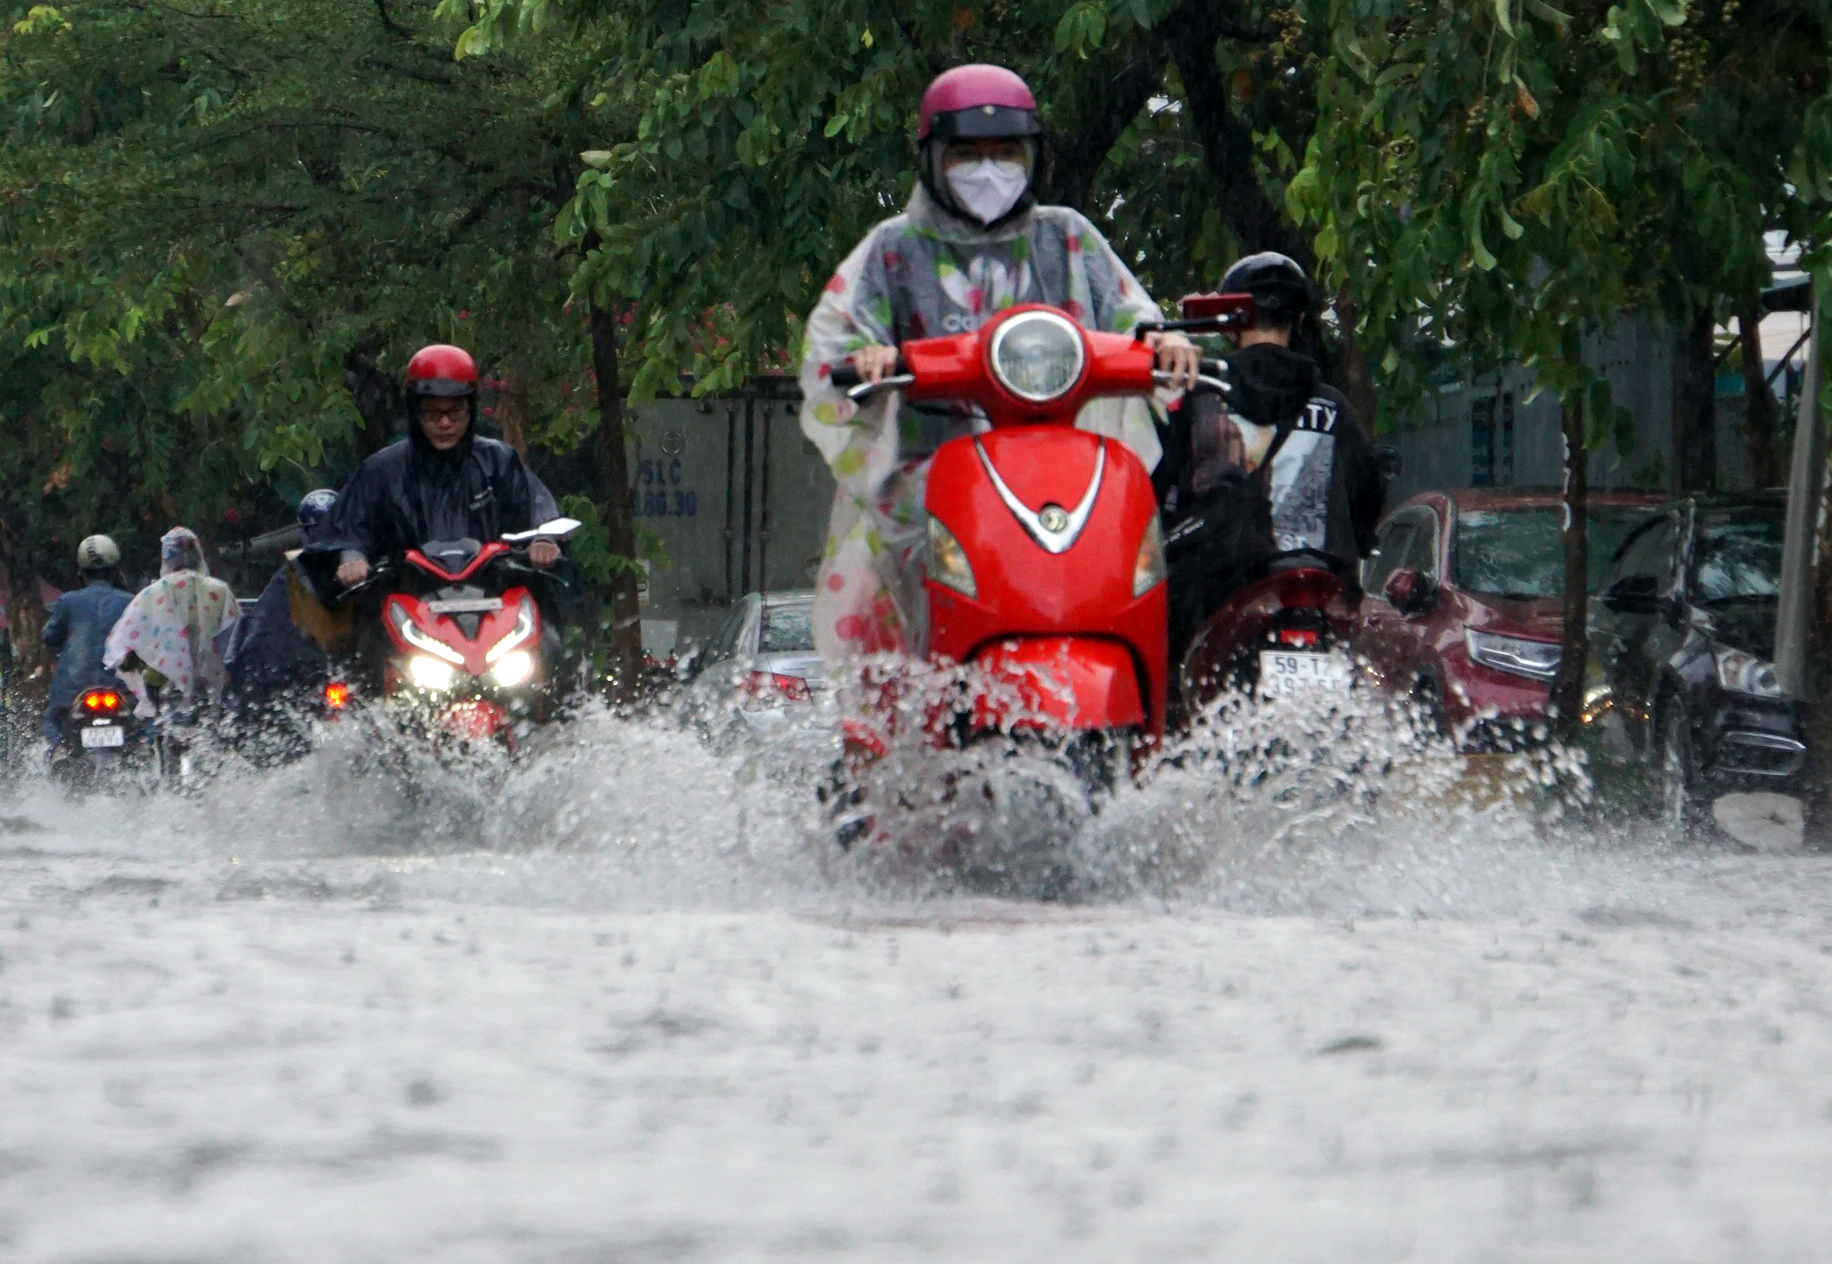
<point x="164" y="642"/>
<point x="970" y="243"/>
<point x="78" y="629"/>
<point x="1280" y="464"/>
<point x="442" y="482"/>
<point x="282" y="645"/>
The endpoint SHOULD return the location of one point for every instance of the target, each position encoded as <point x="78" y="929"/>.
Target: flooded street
<point x="621" y="1007"/>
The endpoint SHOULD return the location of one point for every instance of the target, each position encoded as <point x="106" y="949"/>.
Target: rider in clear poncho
<point x="165" y="636"/>
<point x="971" y="243"/>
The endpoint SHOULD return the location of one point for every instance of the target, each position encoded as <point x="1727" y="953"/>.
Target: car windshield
<point x="1739" y="556"/>
<point x="1520" y="552"/>
<point x="787" y="629"/>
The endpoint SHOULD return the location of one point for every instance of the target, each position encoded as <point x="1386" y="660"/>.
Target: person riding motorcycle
<point x="164" y="642"/>
<point x="443" y="482"/>
<point x="971" y="242"/>
<point x="1279" y="464"/>
<point x="283" y="644"/>
<point x="78" y="629"/>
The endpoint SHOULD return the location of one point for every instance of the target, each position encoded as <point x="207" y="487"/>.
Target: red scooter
<point x="1274" y="636"/>
<point x="1045" y="564"/>
<point x="464" y="640"/>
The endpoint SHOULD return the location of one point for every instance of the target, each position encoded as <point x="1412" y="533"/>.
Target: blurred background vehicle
<point x="1463" y="601"/>
<point x="758" y="665"/>
<point x="1682" y="634"/>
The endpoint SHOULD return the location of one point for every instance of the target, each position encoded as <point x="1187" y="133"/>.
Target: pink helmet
<point x="977" y="101"/>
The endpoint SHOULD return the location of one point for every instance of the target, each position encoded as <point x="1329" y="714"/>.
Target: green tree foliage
<point x="1494" y="179"/>
<point x="208" y="207"/>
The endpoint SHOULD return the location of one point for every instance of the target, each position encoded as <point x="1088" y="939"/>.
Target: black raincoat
<point x="410" y="493"/>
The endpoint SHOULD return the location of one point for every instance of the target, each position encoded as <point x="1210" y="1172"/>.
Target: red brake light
<point x="794" y="688"/>
<point x="1298" y="638"/>
<point x="102" y="701"/>
<point x="336" y="695"/>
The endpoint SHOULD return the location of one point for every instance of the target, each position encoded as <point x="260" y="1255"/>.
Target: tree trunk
<point x="512" y="408"/>
<point x="1759" y="402"/>
<point x="623" y="647"/>
<point x="377" y="397"/>
<point x="1071" y="159"/>
<point x="1695" y="408"/>
<point x="1357" y="379"/>
<point x="1227" y="141"/>
<point x="1567" y="700"/>
<point x="25" y="607"/>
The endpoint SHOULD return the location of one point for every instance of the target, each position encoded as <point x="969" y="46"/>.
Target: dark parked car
<point x="1463" y="604"/>
<point x="1682" y="630"/>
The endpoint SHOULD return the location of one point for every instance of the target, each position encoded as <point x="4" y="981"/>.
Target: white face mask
<point x="988" y="188"/>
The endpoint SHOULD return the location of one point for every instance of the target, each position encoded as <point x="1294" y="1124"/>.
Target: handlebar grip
<point x="1214" y="368"/>
<point x="844" y="375"/>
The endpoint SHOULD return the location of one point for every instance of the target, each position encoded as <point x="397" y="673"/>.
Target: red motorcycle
<point x="1045" y="563"/>
<point x="1273" y="637"/>
<point x="466" y="642"/>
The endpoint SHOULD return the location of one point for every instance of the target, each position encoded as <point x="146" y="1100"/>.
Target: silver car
<point x="760" y="663"/>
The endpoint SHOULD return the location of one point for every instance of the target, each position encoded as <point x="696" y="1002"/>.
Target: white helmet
<point x="97" y="553"/>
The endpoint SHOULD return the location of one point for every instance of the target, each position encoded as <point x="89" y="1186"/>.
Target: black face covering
<point x="1272" y="384"/>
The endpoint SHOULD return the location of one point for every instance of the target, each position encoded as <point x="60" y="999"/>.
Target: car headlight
<point x="1148" y="569"/>
<point x="1745" y="673"/>
<point x="523" y="629"/>
<point x="512" y="669"/>
<point x="430" y="673"/>
<point x="948" y="560"/>
<point x="1037" y="356"/>
<point x="411" y="633"/>
<point x="1536" y="660"/>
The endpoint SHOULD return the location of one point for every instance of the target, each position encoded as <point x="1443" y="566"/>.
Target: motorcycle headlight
<point x="430" y="673"/>
<point x="523" y="629"/>
<point x="1536" y="660"/>
<point x="1148" y="570"/>
<point x="1745" y="673"/>
<point x="1038" y="356"/>
<point x="411" y="633"/>
<point x="948" y="560"/>
<point x="513" y="669"/>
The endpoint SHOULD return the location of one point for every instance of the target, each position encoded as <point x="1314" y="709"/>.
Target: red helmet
<point x="442" y="369"/>
<point x="977" y="102"/>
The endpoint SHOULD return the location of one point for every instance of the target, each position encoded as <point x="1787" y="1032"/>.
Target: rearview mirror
<point x="1388" y="460"/>
<point x="557" y="529"/>
<point x="1410" y="592"/>
<point x="1220" y="311"/>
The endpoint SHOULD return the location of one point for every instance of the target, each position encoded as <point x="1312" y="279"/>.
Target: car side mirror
<point x="1410" y="592"/>
<point x="688" y="665"/>
<point x="1633" y="594"/>
<point x="1389" y="462"/>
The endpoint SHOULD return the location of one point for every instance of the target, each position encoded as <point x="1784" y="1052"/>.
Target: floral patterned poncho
<point x="169" y="625"/>
<point x="924" y="274"/>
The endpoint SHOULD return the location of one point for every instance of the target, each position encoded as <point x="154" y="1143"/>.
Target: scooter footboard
<point x="1072" y="682"/>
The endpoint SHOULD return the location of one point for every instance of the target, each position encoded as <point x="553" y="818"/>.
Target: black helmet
<point x="1277" y="283"/>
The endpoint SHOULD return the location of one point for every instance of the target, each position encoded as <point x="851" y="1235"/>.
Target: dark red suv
<point x="1463" y="601"/>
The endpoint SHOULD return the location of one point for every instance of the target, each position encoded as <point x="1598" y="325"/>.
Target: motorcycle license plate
<point x="108" y="735"/>
<point x="1283" y="673"/>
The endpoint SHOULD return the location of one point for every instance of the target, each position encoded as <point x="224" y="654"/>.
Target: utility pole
<point x="1806" y="481"/>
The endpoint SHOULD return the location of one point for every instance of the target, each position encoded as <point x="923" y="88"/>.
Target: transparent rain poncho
<point x="922" y="274"/>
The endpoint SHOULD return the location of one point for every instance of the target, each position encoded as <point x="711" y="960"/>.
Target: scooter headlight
<point x="523" y="629"/>
<point x="1038" y="356"/>
<point x="948" y="560"/>
<point x="430" y="674"/>
<point x="513" y="669"/>
<point x="1148" y="570"/>
<point x="411" y="633"/>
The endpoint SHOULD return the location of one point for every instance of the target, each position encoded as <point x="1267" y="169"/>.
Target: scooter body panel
<point x="1075" y="600"/>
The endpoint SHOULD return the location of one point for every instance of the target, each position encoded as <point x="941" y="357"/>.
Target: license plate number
<point x="108" y="735"/>
<point x="1283" y="674"/>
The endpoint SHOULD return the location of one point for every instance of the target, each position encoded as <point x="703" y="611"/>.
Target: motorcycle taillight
<point x="101" y="702"/>
<point x="337" y="695"/>
<point x="1298" y="638"/>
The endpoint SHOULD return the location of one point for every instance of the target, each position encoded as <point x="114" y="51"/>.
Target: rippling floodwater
<point x="623" y="1002"/>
